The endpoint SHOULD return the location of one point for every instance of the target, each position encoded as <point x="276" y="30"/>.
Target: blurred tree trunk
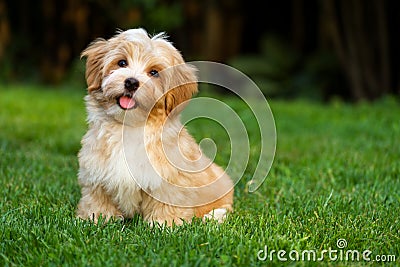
<point x="383" y="45"/>
<point x="62" y="46"/>
<point x="359" y="34"/>
<point x="4" y="29"/>
<point x="298" y="24"/>
<point x="222" y="29"/>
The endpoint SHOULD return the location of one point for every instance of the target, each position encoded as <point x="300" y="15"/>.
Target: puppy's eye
<point x="154" y="73"/>
<point x="122" y="63"/>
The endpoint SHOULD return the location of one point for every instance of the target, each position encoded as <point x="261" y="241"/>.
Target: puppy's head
<point x="138" y="74"/>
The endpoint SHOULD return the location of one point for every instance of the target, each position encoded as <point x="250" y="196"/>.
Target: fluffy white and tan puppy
<point x="136" y="156"/>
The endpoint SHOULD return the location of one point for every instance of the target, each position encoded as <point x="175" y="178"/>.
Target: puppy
<point x="136" y="156"/>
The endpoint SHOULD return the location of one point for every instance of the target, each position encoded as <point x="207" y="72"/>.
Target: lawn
<point x="334" y="187"/>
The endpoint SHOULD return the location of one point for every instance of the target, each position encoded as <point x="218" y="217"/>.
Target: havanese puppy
<point x="136" y="157"/>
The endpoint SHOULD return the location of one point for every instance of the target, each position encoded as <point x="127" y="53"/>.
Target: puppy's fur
<point x="136" y="156"/>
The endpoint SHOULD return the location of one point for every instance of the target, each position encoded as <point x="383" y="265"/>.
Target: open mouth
<point x="126" y="102"/>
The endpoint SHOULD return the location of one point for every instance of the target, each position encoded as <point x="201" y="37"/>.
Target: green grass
<point x="335" y="175"/>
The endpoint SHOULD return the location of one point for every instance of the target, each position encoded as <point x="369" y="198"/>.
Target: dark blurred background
<point x="319" y="49"/>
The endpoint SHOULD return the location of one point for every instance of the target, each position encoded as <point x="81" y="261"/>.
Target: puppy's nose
<point x="131" y="84"/>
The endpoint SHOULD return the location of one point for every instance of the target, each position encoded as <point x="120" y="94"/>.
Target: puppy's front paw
<point x="98" y="216"/>
<point x="162" y="223"/>
<point x="218" y="215"/>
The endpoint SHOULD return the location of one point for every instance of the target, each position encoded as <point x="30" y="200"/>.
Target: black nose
<point x="131" y="84"/>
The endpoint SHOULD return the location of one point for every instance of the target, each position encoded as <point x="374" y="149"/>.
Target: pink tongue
<point x="126" y="102"/>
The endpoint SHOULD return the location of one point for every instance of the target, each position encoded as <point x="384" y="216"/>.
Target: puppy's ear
<point x="94" y="55"/>
<point x="183" y="86"/>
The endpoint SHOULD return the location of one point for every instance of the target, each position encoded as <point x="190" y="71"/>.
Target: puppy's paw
<point x="163" y="223"/>
<point x="218" y="215"/>
<point x="102" y="217"/>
